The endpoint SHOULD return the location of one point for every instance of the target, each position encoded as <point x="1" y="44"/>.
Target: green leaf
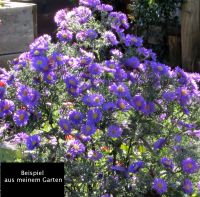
<point x="142" y="149"/>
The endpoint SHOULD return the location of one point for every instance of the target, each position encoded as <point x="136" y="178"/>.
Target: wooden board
<point x="190" y="34"/>
<point x="5" y="58"/>
<point x="18" y="27"/>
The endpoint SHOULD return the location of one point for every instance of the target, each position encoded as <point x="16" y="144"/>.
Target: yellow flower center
<point x="7" y="107"/>
<point x="65" y="126"/>
<point x="34" y="143"/>
<point x="83" y="61"/>
<point x="64" y="35"/>
<point x="58" y="58"/>
<point x="72" y="90"/>
<point x="120" y="89"/>
<point x="160" y="186"/>
<point x="112" y="66"/>
<point x="95" y="115"/>
<point x="138" y="103"/>
<point x="76" y="146"/>
<point x="39" y="62"/>
<point x="189" y="165"/>
<point x="160" y="68"/>
<point x="88" y="128"/>
<point x="72" y="82"/>
<point x="49" y="77"/>
<point x="21" y="116"/>
<point x="184" y="92"/>
<point x="36" y="52"/>
<point x="134" y="39"/>
<point x="122" y="105"/>
<point x="76" y="117"/>
<point x="25" y="93"/>
<point x="96" y="99"/>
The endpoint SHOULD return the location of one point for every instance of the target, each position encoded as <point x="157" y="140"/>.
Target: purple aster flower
<point x="91" y="34"/>
<point x="94" y="115"/>
<point x="60" y="16"/>
<point x="81" y="36"/>
<point x="178" y="138"/>
<point x="114" y="131"/>
<point x="71" y="81"/>
<point x="123" y="104"/>
<point x="20" y="138"/>
<point x="118" y="21"/>
<point x="120" y="74"/>
<point x="182" y="76"/>
<point x="93" y="100"/>
<point x="118" y="167"/>
<point x="65" y="35"/>
<point x="90" y="3"/>
<point x="169" y="96"/>
<point x="120" y="90"/>
<point x="74" y="91"/>
<point x="135" y="167"/>
<point x="105" y="7"/>
<point x="133" y="62"/>
<point x="131" y="40"/>
<point x="41" y="42"/>
<point x="160" y="186"/>
<point x="112" y="65"/>
<point x="50" y="77"/>
<point x="33" y="142"/>
<point x="21" y="117"/>
<point x="187" y="186"/>
<point x="116" y="53"/>
<point x="58" y="58"/>
<point x="94" y="155"/>
<point x="110" y="38"/>
<point x="183" y="95"/>
<point x="168" y="163"/>
<point x="28" y="96"/>
<point x="144" y="52"/>
<point x="149" y="108"/>
<point x="198" y="186"/>
<point x="159" y="68"/>
<point x="83" y="138"/>
<point x="189" y="165"/>
<point x="159" y="143"/>
<point x="65" y="125"/>
<point x="83" y="14"/>
<point x="34" y="52"/>
<point x="85" y="61"/>
<point x="138" y="103"/>
<point x="95" y="69"/>
<point x="195" y="133"/>
<point x="88" y="129"/>
<point x="75" y="147"/>
<point x="75" y="117"/>
<point x="40" y="64"/>
<point x="7" y="107"/>
<point x="109" y="106"/>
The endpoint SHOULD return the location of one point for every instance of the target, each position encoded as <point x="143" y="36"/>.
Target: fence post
<point x="190" y="35"/>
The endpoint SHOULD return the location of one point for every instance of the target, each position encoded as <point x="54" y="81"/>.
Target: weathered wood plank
<point x="5" y="58"/>
<point x="174" y="43"/>
<point x="18" y="28"/>
<point x="190" y="33"/>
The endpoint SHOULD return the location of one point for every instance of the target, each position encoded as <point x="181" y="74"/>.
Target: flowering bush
<point x="123" y="123"/>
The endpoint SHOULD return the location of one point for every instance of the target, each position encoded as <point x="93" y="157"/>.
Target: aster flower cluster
<point x="100" y="102"/>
